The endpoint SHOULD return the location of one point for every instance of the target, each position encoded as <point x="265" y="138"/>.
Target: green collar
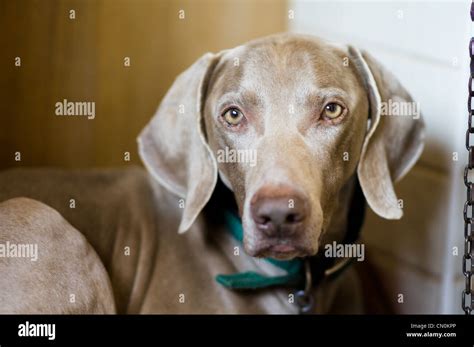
<point x="253" y="280"/>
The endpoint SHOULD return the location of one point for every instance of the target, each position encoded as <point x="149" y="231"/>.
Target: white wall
<point x="425" y="44"/>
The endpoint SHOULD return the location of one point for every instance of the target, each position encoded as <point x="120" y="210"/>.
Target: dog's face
<point x="294" y="115"/>
<point x="284" y="121"/>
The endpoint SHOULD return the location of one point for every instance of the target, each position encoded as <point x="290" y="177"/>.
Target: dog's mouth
<point x="280" y="251"/>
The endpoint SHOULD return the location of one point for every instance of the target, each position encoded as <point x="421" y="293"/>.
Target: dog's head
<point x="286" y="121"/>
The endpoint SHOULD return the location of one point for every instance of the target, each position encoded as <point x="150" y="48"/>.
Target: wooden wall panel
<point x="82" y="60"/>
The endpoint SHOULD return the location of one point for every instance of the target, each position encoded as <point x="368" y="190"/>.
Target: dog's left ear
<point x="393" y="142"/>
<point x="173" y="146"/>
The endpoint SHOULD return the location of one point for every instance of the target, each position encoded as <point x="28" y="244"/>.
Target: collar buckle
<point x="303" y="298"/>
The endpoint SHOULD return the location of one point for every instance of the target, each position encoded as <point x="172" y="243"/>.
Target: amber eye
<point x="333" y="110"/>
<point x="233" y="116"/>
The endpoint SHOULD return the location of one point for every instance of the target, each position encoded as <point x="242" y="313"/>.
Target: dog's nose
<point x="278" y="211"/>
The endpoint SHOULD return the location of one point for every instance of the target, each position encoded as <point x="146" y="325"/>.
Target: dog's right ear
<point x="393" y="143"/>
<point x="173" y="146"/>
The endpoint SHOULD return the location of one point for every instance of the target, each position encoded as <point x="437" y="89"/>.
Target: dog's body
<point x="310" y="109"/>
<point x="130" y="210"/>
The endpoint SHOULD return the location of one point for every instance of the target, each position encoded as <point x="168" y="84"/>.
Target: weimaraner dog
<point x="288" y="127"/>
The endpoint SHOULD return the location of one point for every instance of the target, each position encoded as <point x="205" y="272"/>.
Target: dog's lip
<point x="282" y="248"/>
<point x="283" y="255"/>
<point x="281" y="251"/>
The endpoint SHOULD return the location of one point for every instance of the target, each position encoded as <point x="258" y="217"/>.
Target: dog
<point x="307" y="114"/>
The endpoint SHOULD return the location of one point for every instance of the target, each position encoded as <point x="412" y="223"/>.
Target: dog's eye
<point x="233" y="116"/>
<point x="333" y="110"/>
